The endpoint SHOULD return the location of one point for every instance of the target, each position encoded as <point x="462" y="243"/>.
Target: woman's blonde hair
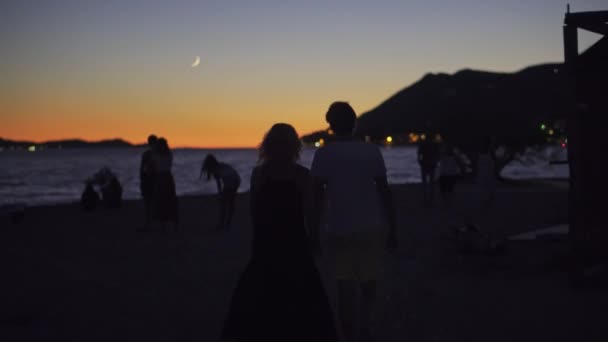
<point x="281" y="143"/>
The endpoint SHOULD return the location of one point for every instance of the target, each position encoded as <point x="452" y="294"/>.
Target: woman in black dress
<point x="164" y="197"/>
<point x="279" y="296"/>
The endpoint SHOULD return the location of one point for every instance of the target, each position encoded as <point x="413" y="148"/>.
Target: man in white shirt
<point x="352" y="192"/>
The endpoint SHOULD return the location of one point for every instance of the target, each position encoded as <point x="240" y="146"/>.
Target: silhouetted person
<point x="428" y="157"/>
<point x="89" y="198"/>
<point x="451" y="169"/>
<point x="280" y="296"/>
<point x="477" y="236"/>
<point x="485" y="177"/>
<point x="228" y="182"/>
<point x="165" y="204"/>
<point x="110" y="188"/>
<point x="350" y="178"/>
<point x="146" y="179"/>
<point x="111" y="193"/>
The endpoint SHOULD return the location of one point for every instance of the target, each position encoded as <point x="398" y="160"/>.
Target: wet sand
<point x="74" y="276"/>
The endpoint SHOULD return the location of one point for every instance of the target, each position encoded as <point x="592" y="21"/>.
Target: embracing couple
<point x="346" y="199"/>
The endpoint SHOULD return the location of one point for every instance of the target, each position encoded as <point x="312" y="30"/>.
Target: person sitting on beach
<point x="111" y="193"/>
<point x="165" y="206"/>
<point x="89" y="198"/>
<point x="111" y="190"/>
<point x="350" y="181"/>
<point x="228" y="182"/>
<point x="280" y="297"/>
<point x="146" y="178"/>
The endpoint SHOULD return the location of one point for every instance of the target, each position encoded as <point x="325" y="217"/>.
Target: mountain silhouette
<point x="472" y="104"/>
<point x="68" y="143"/>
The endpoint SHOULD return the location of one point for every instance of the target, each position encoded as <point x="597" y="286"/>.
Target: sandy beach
<point x="74" y="276"/>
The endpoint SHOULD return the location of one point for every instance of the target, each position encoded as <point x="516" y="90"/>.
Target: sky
<point x="123" y="69"/>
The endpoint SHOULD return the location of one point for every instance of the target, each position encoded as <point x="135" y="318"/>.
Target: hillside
<point x="472" y="103"/>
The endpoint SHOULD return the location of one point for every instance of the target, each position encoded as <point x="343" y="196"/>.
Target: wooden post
<point x="586" y="75"/>
<point x="573" y="134"/>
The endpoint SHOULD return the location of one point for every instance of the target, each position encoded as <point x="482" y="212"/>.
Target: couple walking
<point x="280" y="296"/>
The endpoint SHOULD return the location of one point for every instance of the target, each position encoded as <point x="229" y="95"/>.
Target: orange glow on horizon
<point x="234" y="126"/>
<point x="209" y="107"/>
<point x="245" y="138"/>
<point x="213" y="120"/>
<point x="193" y="114"/>
<point x="187" y="134"/>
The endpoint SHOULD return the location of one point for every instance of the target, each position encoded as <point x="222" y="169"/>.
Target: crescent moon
<point x="196" y="62"/>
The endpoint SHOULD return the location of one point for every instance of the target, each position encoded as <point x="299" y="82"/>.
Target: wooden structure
<point x="587" y="130"/>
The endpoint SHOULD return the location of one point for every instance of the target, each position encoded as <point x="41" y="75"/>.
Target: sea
<point x="58" y="175"/>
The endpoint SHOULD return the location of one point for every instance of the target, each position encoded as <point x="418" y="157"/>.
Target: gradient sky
<point x="105" y="69"/>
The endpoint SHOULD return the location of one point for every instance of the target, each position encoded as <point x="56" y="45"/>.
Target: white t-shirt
<point x="350" y="168"/>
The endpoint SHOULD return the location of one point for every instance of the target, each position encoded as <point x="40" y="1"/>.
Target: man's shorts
<point x="356" y="255"/>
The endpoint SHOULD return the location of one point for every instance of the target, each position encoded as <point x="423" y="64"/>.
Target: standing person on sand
<point x="146" y="178"/>
<point x="478" y="234"/>
<point x="428" y="157"/>
<point x="451" y="169"/>
<point x="485" y="179"/>
<point x="165" y="199"/>
<point x="280" y="296"/>
<point x="350" y="182"/>
<point x="228" y="182"/>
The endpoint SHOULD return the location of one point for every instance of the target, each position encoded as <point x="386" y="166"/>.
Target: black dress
<point x="279" y="296"/>
<point x="165" y="198"/>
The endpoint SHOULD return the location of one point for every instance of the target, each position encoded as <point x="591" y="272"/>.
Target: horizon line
<point x="134" y="144"/>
